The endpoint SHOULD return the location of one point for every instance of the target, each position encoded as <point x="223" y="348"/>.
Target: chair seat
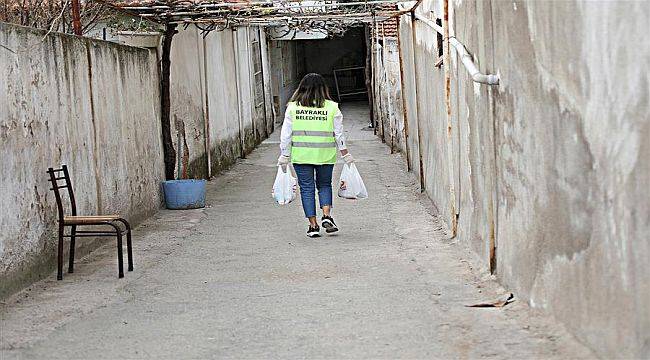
<point x="92" y="219"/>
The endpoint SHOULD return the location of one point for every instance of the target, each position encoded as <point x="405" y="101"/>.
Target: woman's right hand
<point x="283" y="160"/>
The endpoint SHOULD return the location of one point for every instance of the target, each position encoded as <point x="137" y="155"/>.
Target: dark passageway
<point x="341" y="60"/>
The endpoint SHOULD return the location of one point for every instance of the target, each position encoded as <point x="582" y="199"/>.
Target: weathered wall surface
<point x="426" y="114"/>
<point x="286" y="73"/>
<point x="223" y="106"/>
<point x="218" y="80"/>
<point x="188" y="102"/>
<point x="388" y="94"/>
<point x="548" y="168"/>
<point x="267" y="72"/>
<point x="96" y="106"/>
<point x="245" y="86"/>
<point x="412" y="143"/>
<point x="67" y="100"/>
<point x="573" y="165"/>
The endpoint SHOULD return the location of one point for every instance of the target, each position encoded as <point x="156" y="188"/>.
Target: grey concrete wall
<point x="267" y="69"/>
<point x="258" y="95"/>
<point x="286" y="72"/>
<point x="95" y="106"/>
<point x="431" y="122"/>
<point x="212" y="80"/>
<point x="245" y="82"/>
<point x="549" y="167"/>
<point x="67" y="100"/>
<point x="188" y="101"/>
<point x="410" y="94"/>
<point x="223" y="106"/>
<point x="388" y="95"/>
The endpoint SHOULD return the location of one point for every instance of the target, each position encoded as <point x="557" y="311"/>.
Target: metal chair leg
<point x="120" y="256"/>
<point x="59" y="272"/>
<point x="129" y="247"/>
<point x="73" y="232"/>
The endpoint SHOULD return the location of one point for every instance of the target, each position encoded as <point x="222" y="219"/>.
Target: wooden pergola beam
<point x="270" y="12"/>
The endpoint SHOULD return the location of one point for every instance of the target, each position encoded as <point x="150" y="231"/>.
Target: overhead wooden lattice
<point x="303" y="15"/>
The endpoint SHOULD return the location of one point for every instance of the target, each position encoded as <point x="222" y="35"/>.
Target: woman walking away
<point x="311" y="132"/>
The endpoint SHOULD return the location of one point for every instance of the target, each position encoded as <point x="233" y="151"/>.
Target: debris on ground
<point x="499" y="303"/>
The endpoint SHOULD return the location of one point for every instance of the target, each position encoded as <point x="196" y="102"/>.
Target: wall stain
<point x="96" y="152"/>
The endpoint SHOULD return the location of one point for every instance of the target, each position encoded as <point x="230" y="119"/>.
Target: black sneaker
<point x="313" y="232"/>
<point x="329" y="225"/>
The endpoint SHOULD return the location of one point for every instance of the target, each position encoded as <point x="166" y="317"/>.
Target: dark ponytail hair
<point x="312" y="91"/>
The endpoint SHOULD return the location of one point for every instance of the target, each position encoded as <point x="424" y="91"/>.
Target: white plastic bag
<point x="351" y="185"/>
<point x="284" y="187"/>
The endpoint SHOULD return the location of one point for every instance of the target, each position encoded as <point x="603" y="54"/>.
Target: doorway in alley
<point x="341" y="60"/>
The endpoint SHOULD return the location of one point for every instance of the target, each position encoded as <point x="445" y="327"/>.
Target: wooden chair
<point x="61" y="175"/>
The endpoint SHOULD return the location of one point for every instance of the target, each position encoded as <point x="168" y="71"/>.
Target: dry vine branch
<point x="51" y="14"/>
<point x="330" y="16"/>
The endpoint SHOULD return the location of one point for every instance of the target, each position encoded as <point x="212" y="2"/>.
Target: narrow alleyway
<point x="239" y="279"/>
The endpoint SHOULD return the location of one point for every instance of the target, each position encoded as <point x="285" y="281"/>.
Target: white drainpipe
<point x="465" y="57"/>
<point x="476" y="74"/>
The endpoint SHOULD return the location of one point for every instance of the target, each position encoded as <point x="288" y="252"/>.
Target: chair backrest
<point x="60" y="179"/>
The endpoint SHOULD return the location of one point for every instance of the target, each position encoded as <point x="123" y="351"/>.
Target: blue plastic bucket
<point x="184" y="194"/>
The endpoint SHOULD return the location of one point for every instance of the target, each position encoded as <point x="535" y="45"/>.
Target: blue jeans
<point x="307" y="182"/>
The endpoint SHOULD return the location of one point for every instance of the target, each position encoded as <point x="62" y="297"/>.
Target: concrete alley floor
<point x="239" y="279"/>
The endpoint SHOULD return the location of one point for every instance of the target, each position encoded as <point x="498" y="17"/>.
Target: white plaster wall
<point x="223" y="99"/>
<point x="227" y="87"/>
<point x="258" y="96"/>
<point x="571" y="115"/>
<point x="549" y="165"/>
<point x="221" y="82"/>
<point x="187" y="99"/>
<point x="408" y="67"/>
<point x="284" y="83"/>
<point x="95" y="106"/>
<point x="267" y="73"/>
<point x="388" y="85"/>
<point x="70" y="101"/>
<point x="245" y="81"/>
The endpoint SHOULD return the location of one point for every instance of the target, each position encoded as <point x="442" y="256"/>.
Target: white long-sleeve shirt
<point x="287" y="129"/>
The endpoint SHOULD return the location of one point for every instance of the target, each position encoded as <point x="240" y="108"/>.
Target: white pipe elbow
<point x="466" y="58"/>
<point x="468" y="61"/>
<point x="488" y="79"/>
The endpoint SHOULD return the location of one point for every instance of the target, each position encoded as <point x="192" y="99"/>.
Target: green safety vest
<point x="312" y="137"/>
